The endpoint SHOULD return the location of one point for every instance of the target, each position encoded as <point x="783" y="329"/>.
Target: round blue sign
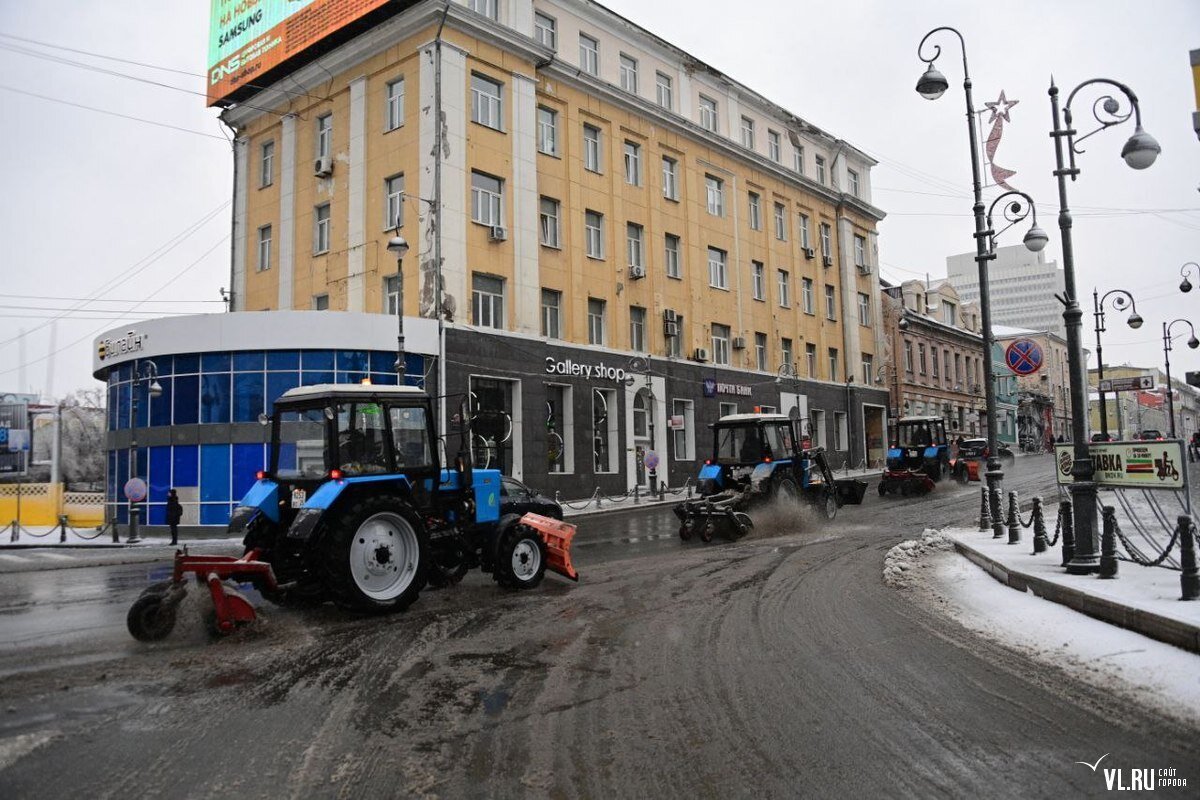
<point x="1024" y="356"/>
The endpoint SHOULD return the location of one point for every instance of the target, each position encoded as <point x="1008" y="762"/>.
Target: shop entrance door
<point x="643" y="427"/>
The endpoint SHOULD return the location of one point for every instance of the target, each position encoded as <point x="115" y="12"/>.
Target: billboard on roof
<point x="247" y="38"/>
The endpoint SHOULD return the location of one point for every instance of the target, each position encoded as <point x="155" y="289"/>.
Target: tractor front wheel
<point x="150" y="618"/>
<point x="829" y="505"/>
<point x="376" y="555"/>
<point x="520" y="559"/>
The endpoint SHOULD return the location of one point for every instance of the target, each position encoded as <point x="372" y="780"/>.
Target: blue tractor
<point x="918" y="458"/>
<point x="355" y="508"/>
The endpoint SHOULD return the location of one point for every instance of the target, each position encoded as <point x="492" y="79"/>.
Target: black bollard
<point x="997" y="520"/>
<point x="62" y="528"/>
<point x="985" y="517"/>
<point x="1014" y="519"/>
<point x="1189" y="579"/>
<point x="1068" y="532"/>
<point x="1039" y="527"/>
<point x="1108" y="544"/>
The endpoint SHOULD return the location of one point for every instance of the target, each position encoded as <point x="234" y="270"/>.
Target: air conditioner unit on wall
<point x="669" y="315"/>
<point x="670" y="329"/>
<point x="864" y="269"/>
<point x="810" y="253"/>
<point x="636" y="272"/>
<point x="701" y="354"/>
<point x="828" y="260"/>
<point x="498" y="233"/>
<point x="323" y="166"/>
<point x="739" y="343"/>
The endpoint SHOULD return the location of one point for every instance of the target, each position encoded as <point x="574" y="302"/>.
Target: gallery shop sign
<point x="574" y="369"/>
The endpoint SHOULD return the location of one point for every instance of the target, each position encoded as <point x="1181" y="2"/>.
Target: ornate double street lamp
<point x="1192" y="343"/>
<point x="1185" y="285"/>
<point x="1139" y="152"/>
<point x="1120" y="302"/>
<point x="931" y="86"/>
<point x="146" y="374"/>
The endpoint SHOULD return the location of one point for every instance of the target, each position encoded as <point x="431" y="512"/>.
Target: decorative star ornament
<point x="1000" y="108"/>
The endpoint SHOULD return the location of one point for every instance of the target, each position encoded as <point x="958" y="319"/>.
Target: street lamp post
<point x="1185" y="285"/>
<point x="153" y="389"/>
<point x="398" y="247"/>
<point x="1122" y="301"/>
<point x="849" y="425"/>
<point x="1139" y="152"/>
<point x="1192" y="343"/>
<point x="434" y="206"/>
<point x="788" y="370"/>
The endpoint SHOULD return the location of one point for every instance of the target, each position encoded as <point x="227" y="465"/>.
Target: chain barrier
<point x="1136" y="555"/>
<point x="99" y="531"/>
<point x="586" y="503"/>
<point x="616" y="499"/>
<point x="1058" y="524"/>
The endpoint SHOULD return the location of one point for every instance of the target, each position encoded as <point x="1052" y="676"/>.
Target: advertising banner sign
<point x="1131" y="465"/>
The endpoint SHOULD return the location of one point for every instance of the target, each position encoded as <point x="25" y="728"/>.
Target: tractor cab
<point x="918" y="457"/>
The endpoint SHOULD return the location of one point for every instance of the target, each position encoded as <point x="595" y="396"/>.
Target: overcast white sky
<point x="137" y="214"/>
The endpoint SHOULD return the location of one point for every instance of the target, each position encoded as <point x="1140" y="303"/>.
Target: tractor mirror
<point x="328" y="413"/>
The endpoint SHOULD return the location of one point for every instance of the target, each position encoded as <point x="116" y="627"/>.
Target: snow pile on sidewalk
<point x="902" y="559"/>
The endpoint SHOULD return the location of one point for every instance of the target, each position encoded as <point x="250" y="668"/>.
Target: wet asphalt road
<point x="780" y="665"/>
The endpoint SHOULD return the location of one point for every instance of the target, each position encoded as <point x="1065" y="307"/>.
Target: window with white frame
<point x="485" y="102"/>
<point x="805" y="236"/>
<point x="320" y="302"/>
<point x="264" y="248"/>
<point x="810" y="359"/>
<point x="840" y="437"/>
<point x="864" y="309"/>
<point x="675" y="343"/>
<point x="830" y="302"/>
<point x="747" y="133"/>
<point x="921" y="363"/>
<point x="321" y="228"/>
<point x="551" y="313"/>
<point x="664" y="89"/>
<point x="798" y="159"/>
<point x="596" y="321"/>
<point x="852" y="179"/>
<point x="715" y="194"/>
<point x="720" y="344"/>
<point x="589" y="54"/>
<point x="486" y="199"/>
<point x="820" y="161"/>
<point x="266" y="164"/>
<point x="671" y="256"/>
<point x="806" y="295"/>
<point x="560" y="426"/>
<point x="908" y="356"/>
<point x="834" y="371"/>
<point x="785" y="288"/>
<point x="545" y="30"/>
<point x="547" y="127"/>
<point x="717" y="272"/>
<point x="933" y="358"/>
<point x="760" y="350"/>
<point x="725" y="409"/>
<point x="487" y="300"/>
<point x="629" y="73"/>
<point x="485" y="7"/>
<point x="774" y="146"/>
<point x="860" y="251"/>
<point x="549" y="223"/>
<point x="324" y="135"/>
<point x="593" y="229"/>
<point x="816" y="422"/>
<point x="785" y="348"/>
<point x="708" y="113"/>
<point x="949" y="313"/>
<point x="683" y="412"/>
<point x="393" y="205"/>
<point x="755" y="215"/>
<point x="670" y="178"/>
<point x="868" y="369"/>
<point x="591" y="148"/>
<point x="634" y="245"/>
<point x="758" y="280"/>
<point x="391" y="294"/>
<point x="637" y="329"/>
<point x="633" y="164"/>
<point x="780" y="222"/>
<point x="826" y="241"/>
<point x="395" y="104"/>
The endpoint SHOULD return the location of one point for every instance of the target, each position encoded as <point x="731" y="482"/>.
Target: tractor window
<point x="742" y="445"/>
<point x="305" y="432"/>
<point x="778" y="440"/>
<point x="362" y="439"/>
<point x="410" y="433"/>
<point x="915" y="435"/>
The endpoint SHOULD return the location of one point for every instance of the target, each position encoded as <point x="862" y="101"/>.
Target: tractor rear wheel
<point x="149" y="618"/>
<point x="786" y="490"/>
<point x="520" y="558"/>
<point x="376" y="555"/>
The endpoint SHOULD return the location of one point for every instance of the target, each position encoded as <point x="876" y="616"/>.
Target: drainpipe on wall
<point x="439" y="129"/>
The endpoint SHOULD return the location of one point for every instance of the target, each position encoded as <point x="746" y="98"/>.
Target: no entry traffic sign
<point x="1024" y="356"/>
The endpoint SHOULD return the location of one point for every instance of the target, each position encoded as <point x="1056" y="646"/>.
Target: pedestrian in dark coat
<point x="174" y="515"/>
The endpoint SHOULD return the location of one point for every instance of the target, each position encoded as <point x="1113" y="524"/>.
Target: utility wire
<point x="114" y="113"/>
<point x="106" y="300"/>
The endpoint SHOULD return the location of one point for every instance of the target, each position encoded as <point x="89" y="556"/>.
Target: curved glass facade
<point x="201" y="435"/>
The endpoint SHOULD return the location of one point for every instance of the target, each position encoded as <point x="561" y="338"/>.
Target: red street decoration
<point x="999" y="116"/>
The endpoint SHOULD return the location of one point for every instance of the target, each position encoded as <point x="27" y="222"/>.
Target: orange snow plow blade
<point x="557" y="535"/>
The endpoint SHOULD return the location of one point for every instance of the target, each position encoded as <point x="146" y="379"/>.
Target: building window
<point x="634" y="249"/>
<point x="785" y="288"/>
<point x="560" y="427"/>
<point x="486" y="197"/>
<point x="840" y="437"/>
<point x="785" y="346"/>
<point x="551" y="314"/>
<point x="868" y="369"/>
<point x="949" y="313"/>
<point x="805" y="236"/>
<point x="921" y="358"/>
<point x="833" y="364"/>
<point x="806" y="295"/>
<point x="320" y="302"/>
<point x="391" y="294"/>
<point x="780" y="223"/>
<point x="487" y="301"/>
<point x="810" y="359"/>
<point x="591" y="148"/>
<point x="946" y="361"/>
<point x="774" y="146"/>
<point x="715" y="194"/>
<point x="726" y="409"/>
<point x="393" y="205"/>
<point x="860" y="251"/>
<point x="670" y="178"/>
<point x="755" y="211"/>
<point x="820" y="160"/>
<point x="826" y="242"/>
<point x="671" y="255"/>
<point x="758" y="280"/>
<point x="908" y="358"/>
<point x="604" y="430"/>
<point x="595" y="321"/>
<point x="593" y="225"/>
<point x="633" y="164"/>
<point x="485" y="7"/>
<point x="675" y="343"/>
<point x="852" y="179"/>
<point x="864" y="309"/>
<point x="637" y="329"/>
<point x="663" y="86"/>
<point x="798" y="160"/>
<point x="748" y="133"/>
<point x="817" y="426"/>
<point x="682" y="426"/>
<point x="548" y="222"/>
<point x="545" y="30"/>
<point x="324" y="135"/>
<point x="589" y="54"/>
<point x="266" y="171"/>
<point x="629" y="74"/>
<point x="830" y="302"/>
<point x="720" y="344"/>
<point x="485" y="102"/>
<point x="547" y="131"/>
<point x="957" y="369"/>
<point x="395" y="104"/>
<point x="716" y="268"/>
<point x="264" y="248"/>
<point x="933" y="358"/>
<point x="760" y="350"/>
<point x="708" y="113"/>
<point x="321" y="229"/>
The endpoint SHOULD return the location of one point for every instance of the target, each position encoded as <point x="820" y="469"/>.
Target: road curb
<point x="1156" y="626"/>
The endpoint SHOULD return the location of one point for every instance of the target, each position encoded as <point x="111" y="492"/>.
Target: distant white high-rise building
<point x="1023" y="285"/>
